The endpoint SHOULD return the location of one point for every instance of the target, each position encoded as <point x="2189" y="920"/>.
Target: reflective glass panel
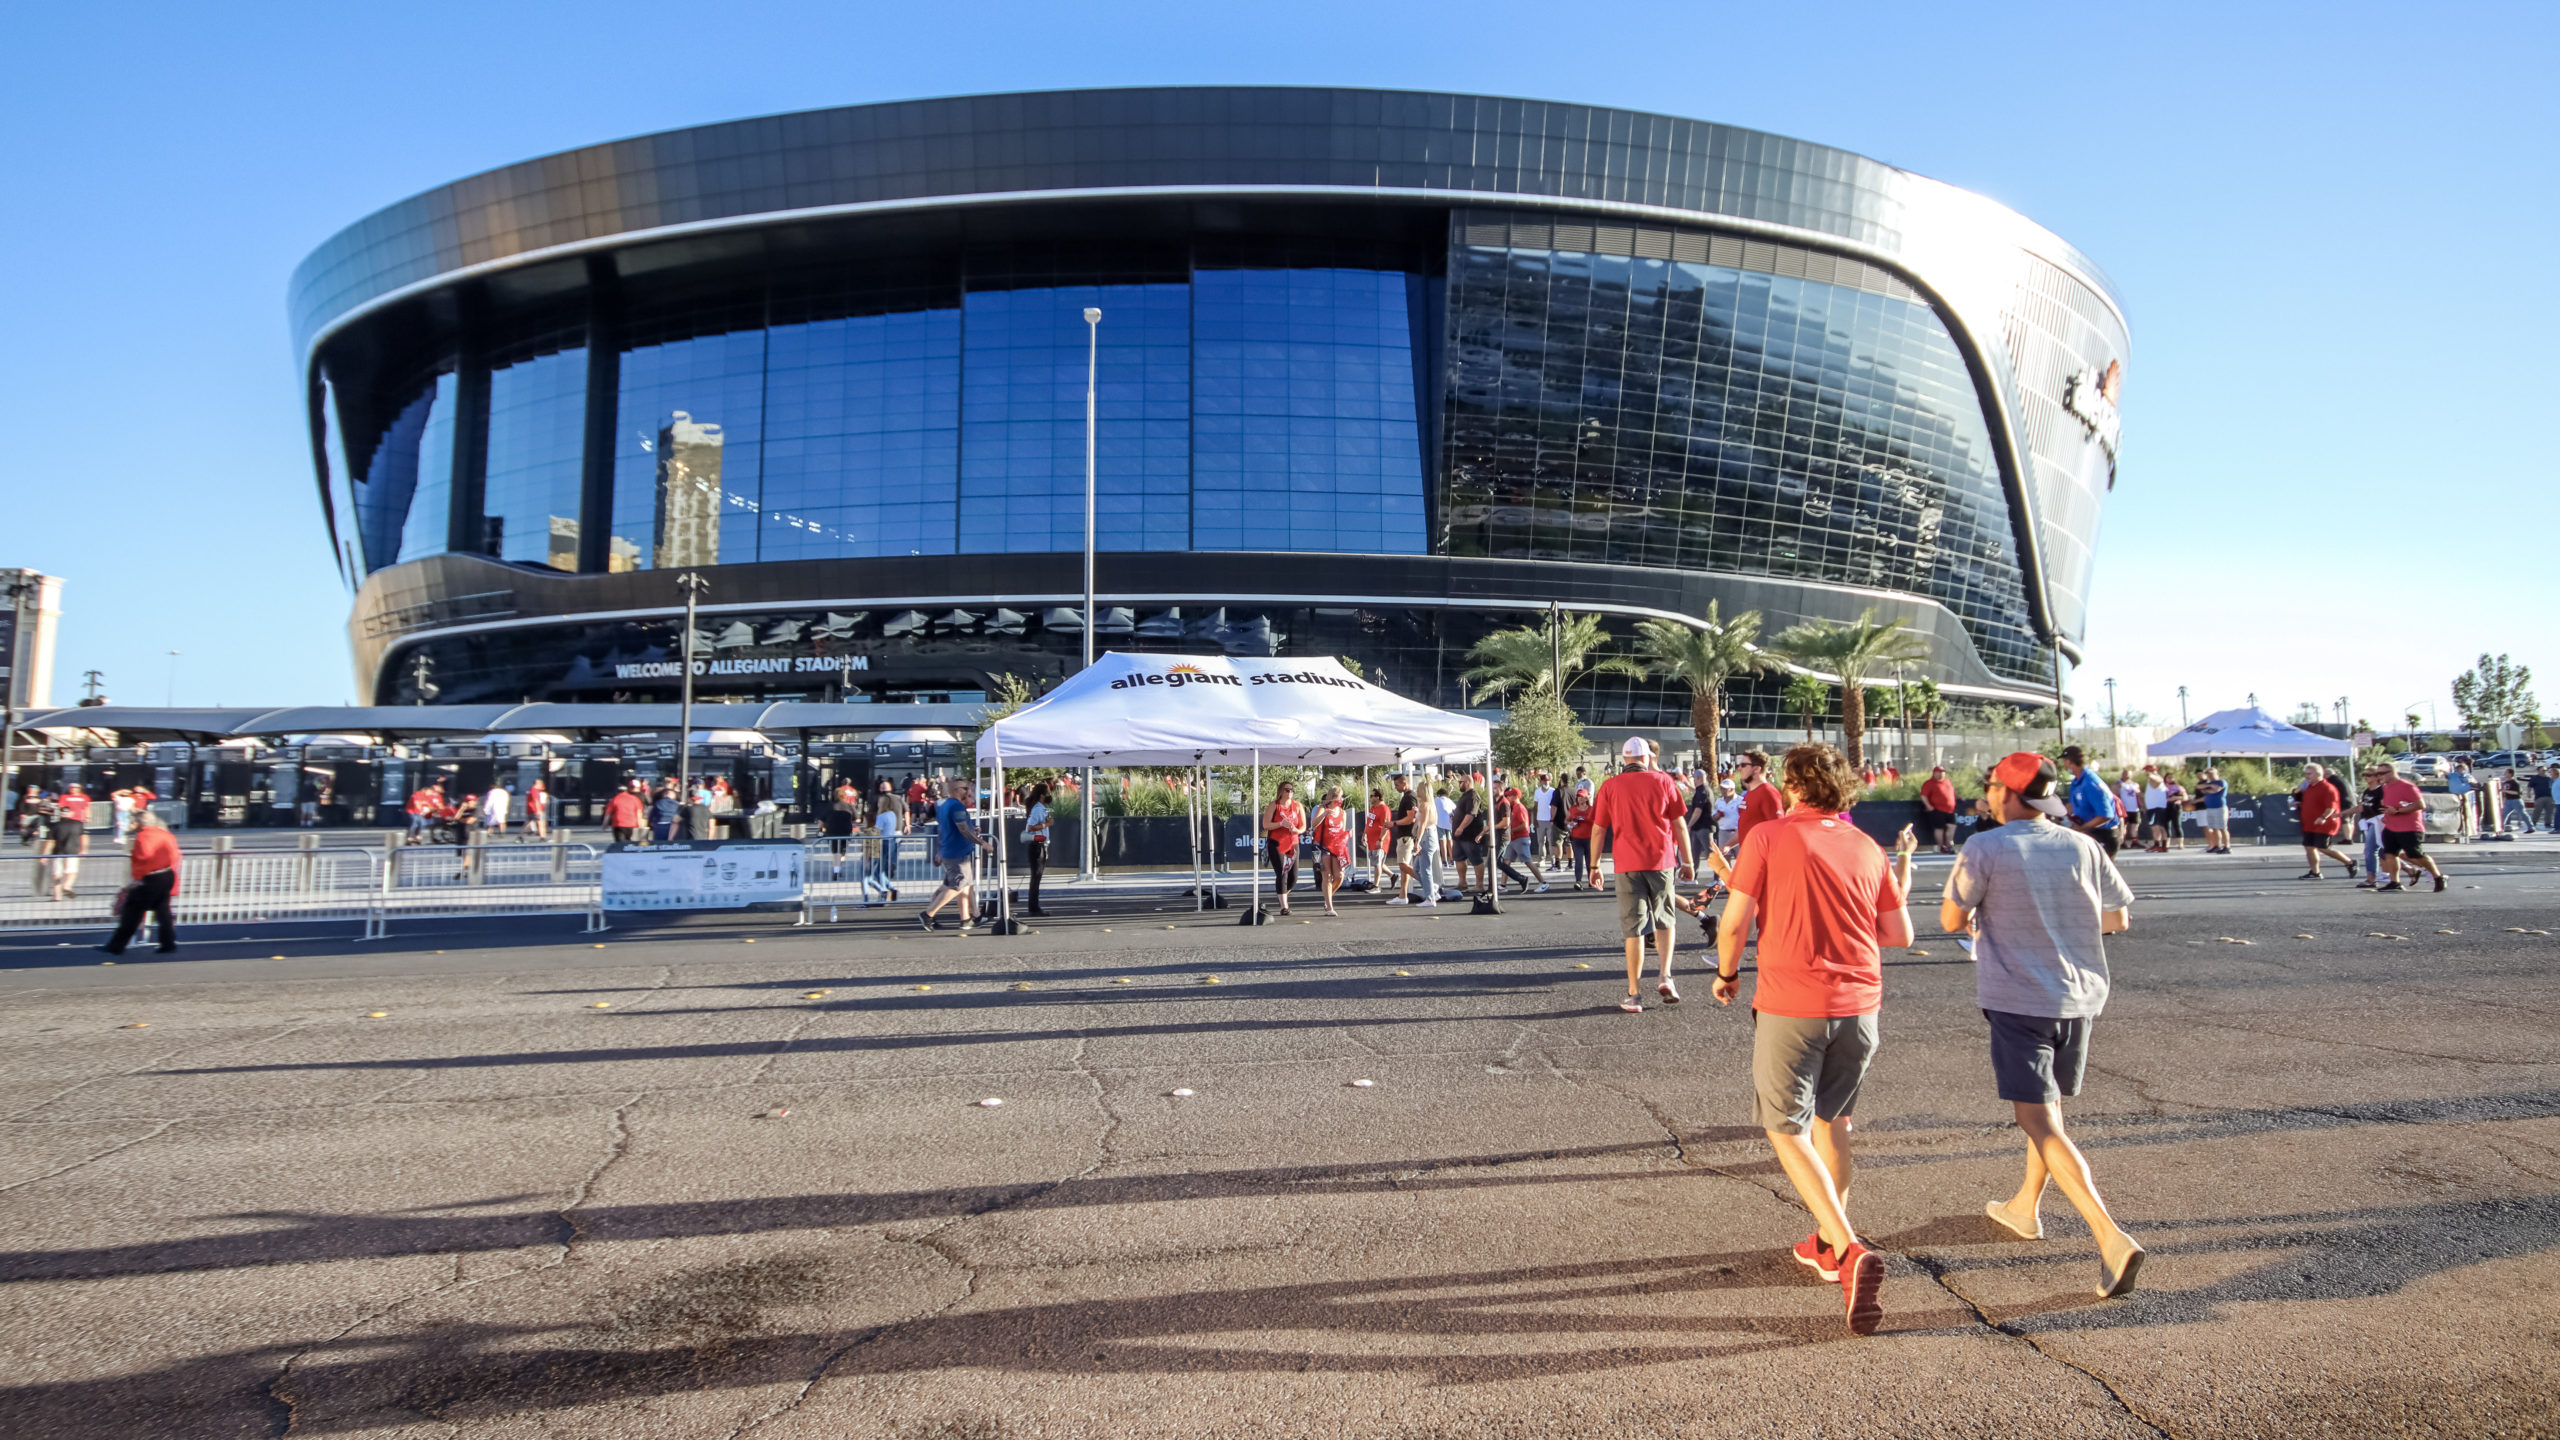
<point x="417" y="455"/>
<point x="686" y="471"/>
<point x="537" y="432"/>
<point x="861" y="437"/>
<point x="1303" y="412"/>
<point x="1022" y="434"/>
<point x="1656" y="412"/>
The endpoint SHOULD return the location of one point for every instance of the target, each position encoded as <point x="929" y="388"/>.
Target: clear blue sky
<point x="2332" y="224"/>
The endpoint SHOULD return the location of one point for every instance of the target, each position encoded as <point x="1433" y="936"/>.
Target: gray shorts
<point x="955" y="874"/>
<point x="2036" y="1060"/>
<point x="1808" y="1069"/>
<point x="1644" y="902"/>
<point x="2217" y="818"/>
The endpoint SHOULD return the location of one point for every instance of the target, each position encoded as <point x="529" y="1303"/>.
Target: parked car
<point x="2501" y="759"/>
<point x="2427" y="767"/>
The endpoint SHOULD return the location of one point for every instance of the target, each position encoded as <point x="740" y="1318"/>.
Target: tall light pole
<point x="1092" y="368"/>
<point x="2111" y="702"/>
<point x="2341" y="708"/>
<point x="171" y="698"/>
<point x="2182" y="707"/>
<point x="692" y="585"/>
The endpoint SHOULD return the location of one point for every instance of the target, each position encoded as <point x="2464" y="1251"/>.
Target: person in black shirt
<point x="2369" y="823"/>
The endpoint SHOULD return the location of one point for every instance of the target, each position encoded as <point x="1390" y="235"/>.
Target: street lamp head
<point x="1092" y="316"/>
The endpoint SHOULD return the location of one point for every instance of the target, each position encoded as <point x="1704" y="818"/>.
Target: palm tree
<point x="1525" y="657"/>
<point x="1851" y="652"/>
<point x="1703" y="657"/>
<point x="1931" y="707"/>
<point x="1808" y="696"/>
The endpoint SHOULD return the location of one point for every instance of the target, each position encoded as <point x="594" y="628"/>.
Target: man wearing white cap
<point x="1640" y="818"/>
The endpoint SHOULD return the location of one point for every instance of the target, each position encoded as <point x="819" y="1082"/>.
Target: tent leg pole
<point x="1004" y="874"/>
<point x="1253" y="912"/>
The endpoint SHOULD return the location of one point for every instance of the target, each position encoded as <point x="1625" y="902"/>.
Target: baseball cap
<point x="1636" y="748"/>
<point x="2031" y="778"/>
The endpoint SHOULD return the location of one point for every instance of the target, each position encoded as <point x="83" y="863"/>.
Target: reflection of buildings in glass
<point x="26" y="635"/>
<point x="622" y="555"/>
<point x="688" y="531"/>
<point x="564" y="543"/>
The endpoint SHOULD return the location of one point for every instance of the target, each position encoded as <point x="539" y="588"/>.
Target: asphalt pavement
<point x="730" y="1178"/>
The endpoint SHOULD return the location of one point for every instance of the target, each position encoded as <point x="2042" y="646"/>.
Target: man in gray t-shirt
<point x="2039" y="898"/>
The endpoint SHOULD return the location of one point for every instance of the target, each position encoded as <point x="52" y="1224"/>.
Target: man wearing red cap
<point x="2039" y="898"/>
<point x="1826" y="904"/>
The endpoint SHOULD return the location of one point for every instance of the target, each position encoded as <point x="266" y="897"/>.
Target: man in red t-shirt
<point x="2404" y="831"/>
<point x="1640" y="820"/>
<point x="1938" y="798"/>
<point x="1826" y="903"/>
<point x="625" y="813"/>
<point x="2321" y="809"/>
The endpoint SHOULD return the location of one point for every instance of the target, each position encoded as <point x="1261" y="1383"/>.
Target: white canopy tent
<point x="2249" y="732"/>
<point x="1202" y="710"/>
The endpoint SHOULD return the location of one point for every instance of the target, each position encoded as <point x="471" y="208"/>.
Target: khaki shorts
<point x="1403" y="852"/>
<point x="1644" y="902"/>
<point x="1807" y="1069"/>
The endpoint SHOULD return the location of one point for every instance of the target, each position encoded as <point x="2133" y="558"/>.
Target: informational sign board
<point x="702" y="875"/>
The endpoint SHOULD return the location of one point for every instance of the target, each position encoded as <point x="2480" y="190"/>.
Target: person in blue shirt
<point x="2093" y="805"/>
<point x="2213" y="811"/>
<point x="662" y="814"/>
<point x="956" y="844"/>
<point x="2459" y="784"/>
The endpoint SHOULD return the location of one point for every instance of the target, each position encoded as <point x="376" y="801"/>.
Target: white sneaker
<point x="1541" y="890"/>
<point x="1427" y="904"/>
<point x="1400" y="900"/>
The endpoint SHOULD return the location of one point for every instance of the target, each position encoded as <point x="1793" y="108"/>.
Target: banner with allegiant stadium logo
<point x="1223" y="710"/>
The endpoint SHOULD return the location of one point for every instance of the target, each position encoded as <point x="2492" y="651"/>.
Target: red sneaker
<point x="1814" y="1255"/>
<point x="1862" y="1286"/>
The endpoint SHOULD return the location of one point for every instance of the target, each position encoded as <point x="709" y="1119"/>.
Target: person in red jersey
<point x="1638" y="820"/>
<point x="1331" y="830"/>
<point x="154" y="886"/>
<point x="1826" y="903"/>
<point x="2322" y="809"/>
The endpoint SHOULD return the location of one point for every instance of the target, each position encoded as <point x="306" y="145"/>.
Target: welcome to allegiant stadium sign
<point x="771" y="665"/>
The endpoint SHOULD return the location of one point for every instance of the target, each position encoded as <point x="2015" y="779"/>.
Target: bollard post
<point x="560" y="864"/>
<point x="303" y="868"/>
<point x="221" y="862"/>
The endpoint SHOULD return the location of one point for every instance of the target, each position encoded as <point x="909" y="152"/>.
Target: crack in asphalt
<point x="163" y="1128"/>
<point x="1938" y="1275"/>
<point x="284" y="1407"/>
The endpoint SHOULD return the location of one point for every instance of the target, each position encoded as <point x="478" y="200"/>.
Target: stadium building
<point x="1376" y="372"/>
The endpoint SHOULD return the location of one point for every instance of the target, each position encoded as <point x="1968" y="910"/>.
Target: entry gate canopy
<point x="1225" y="710"/>
<point x="2248" y="730"/>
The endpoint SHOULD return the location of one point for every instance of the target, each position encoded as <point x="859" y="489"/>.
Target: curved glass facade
<point x="1638" y="410"/>
<point x="1630" y="361"/>
<point x="1238" y="409"/>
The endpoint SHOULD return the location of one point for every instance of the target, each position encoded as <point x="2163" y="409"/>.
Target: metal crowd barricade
<point x="443" y="881"/>
<point x="853" y="871"/>
<point x="214" y="888"/>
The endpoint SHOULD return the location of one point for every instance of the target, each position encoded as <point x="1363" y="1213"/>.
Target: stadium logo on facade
<point x="2090" y="396"/>
<point x="1177" y="677"/>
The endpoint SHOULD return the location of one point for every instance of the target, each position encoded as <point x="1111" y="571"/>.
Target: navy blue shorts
<point x="2038" y="1060"/>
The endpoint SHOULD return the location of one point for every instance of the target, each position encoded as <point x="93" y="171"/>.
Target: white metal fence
<point x="218" y="888"/>
<point x="444" y="881"/>
<point x="230" y="887"/>
<point x="859" y="870"/>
